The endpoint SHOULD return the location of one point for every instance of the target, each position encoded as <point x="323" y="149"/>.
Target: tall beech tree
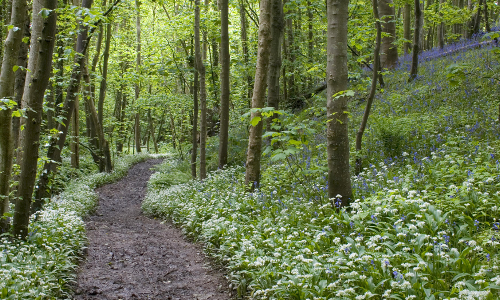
<point x="137" y="119"/>
<point x="203" y="93"/>
<point x="407" y="28"/>
<point x="40" y="63"/>
<point x="7" y="78"/>
<point x="224" y="83"/>
<point x="388" y="48"/>
<point x="273" y="80"/>
<point x="252" y="174"/>
<point x="339" y="176"/>
<point x="416" y="41"/>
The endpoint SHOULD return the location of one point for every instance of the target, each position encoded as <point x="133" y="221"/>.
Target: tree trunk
<point x="224" y="85"/>
<point x="244" y="46"/>
<point x="75" y="141"/>
<point x="373" y="89"/>
<point x="416" y="42"/>
<point x="40" y="63"/>
<point x="273" y="80"/>
<point x="421" y="38"/>
<point x="389" y="51"/>
<point x="339" y="177"/>
<point x="152" y="131"/>
<point x="407" y="28"/>
<point x="486" y="17"/>
<point x="441" y="28"/>
<point x="57" y="143"/>
<point x="477" y="19"/>
<point x="203" y="93"/>
<point x="137" y="85"/>
<point x="102" y="88"/>
<point x="252" y="174"/>
<point x="105" y="163"/>
<point x="7" y="80"/>
<point x="194" y="131"/>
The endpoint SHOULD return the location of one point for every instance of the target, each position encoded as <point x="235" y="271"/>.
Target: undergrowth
<point x="43" y="266"/>
<point x="424" y="223"/>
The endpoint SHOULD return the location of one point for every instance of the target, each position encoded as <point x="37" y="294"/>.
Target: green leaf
<point x="45" y="13"/>
<point x="14" y="68"/>
<point x="255" y="121"/>
<point x="16" y="113"/>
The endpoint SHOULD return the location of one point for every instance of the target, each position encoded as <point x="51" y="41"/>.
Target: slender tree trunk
<point x="252" y="174"/>
<point x="40" y="63"/>
<point x="373" y="89"/>
<point x="416" y="42"/>
<point x="57" y="144"/>
<point x="477" y="19"/>
<point x="421" y="38"/>
<point x="105" y="163"/>
<point x="103" y="86"/>
<point x="273" y="79"/>
<point x="310" y="39"/>
<point x="203" y="94"/>
<point x="194" y="132"/>
<point x="137" y="85"/>
<point x="75" y="141"/>
<point x="339" y="177"/>
<point x="388" y="49"/>
<point x="486" y="17"/>
<point x="291" y="53"/>
<point x="224" y="86"/>
<point x="7" y="80"/>
<point x="441" y="27"/>
<point x="407" y="27"/>
<point x="152" y="131"/>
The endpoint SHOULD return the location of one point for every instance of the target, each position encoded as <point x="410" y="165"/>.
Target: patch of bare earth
<point x="133" y="257"/>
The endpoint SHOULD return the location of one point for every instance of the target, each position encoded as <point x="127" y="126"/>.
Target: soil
<point x="131" y="256"/>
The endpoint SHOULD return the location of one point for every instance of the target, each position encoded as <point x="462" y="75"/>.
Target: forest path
<point x="133" y="257"/>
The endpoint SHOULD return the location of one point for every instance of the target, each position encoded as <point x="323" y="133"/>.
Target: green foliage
<point x="424" y="221"/>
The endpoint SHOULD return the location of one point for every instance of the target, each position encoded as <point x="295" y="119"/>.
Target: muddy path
<point x="133" y="257"/>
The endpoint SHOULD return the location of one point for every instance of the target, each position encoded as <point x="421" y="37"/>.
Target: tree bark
<point x="22" y="62"/>
<point x="244" y="46"/>
<point x="224" y="85"/>
<point x="194" y="132"/>
<point x="373" y="89"/>
<point x="486" y="17"/>
<point x="416" y="42"/>
<point x="339" y="177"/>
<point x="57" y="143"/>
<point x="407" y="27"/>
<point x="105" y="163"/>
<point x="137" y="85"/>
<point x="203" y="93"/>
<point x="103" y="86"/>
<point x="252" y="174"/>
<point x="152" y="131"/>
<point x="389" y="51"/>
<point x="75" y="141"/>
<point x="7" y="80"/>
<point x="40" y="63"/>
<point x="273" y="79"/>
<point x="477" y="19"/>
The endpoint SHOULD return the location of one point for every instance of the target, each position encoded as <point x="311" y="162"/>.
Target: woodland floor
<point x="131" y="256"/>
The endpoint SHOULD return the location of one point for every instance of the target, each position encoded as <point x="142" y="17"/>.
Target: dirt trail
<point x="133" y="257"/>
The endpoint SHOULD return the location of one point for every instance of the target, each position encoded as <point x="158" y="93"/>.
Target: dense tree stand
<point x="133" y="257"/>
